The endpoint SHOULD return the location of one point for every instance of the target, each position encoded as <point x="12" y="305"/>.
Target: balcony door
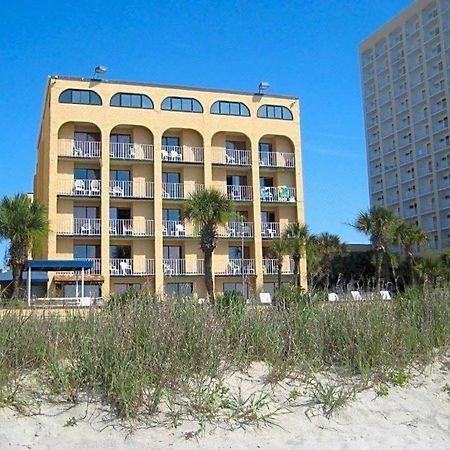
<point x="86" y="251"/>
<point x="120" y="252"/>
<point x="172" y="252"/>
<point x="171" y="177"/>
<point x="236" y="252"/>
<point x="267" y="216"/>
<point x="86" y="212"/>
<point x="265" y="150"/>
<point x="86" y="136"/>
<point x="236" y="180"/>
<point x="171" y="141"/>
<point x="120" y="139"/>
<point x="120" y="213"/>
<point x="265" y="182"/>
<point x="80" y="173"/>
<point x="172" y="214"/>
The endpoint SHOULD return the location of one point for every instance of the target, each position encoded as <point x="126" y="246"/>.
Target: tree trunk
<point x="296" y="270"/>
<point x="379" y="265"/>
<point x="209" y="276"/>
<point x="17" y="270"/>
<point x="280" y="268"/>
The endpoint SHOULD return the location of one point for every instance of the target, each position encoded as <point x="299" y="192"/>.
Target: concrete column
<point x="104" y="212"/>
<point x="157" y="175"/>
<point x="257" y="213"/>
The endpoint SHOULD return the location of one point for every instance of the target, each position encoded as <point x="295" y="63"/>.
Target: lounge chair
<point x="356" y="295"/>
<point x="79" y="187"/>
<point x="332" y="297"/>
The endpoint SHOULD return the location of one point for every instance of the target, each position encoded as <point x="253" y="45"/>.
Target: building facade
<point x="405" y="70"/>
<point x="116" y="162"/>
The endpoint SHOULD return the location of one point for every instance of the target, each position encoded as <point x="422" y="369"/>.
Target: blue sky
<point x="304" y="48"/>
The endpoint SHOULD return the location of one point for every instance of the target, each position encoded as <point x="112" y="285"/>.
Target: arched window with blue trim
<point x="130" y="100"/>
<point x="275" y="112"/>
<point x="80" y="97"/>
<point x="230" y="108"/>
<point x="181" y="104"/>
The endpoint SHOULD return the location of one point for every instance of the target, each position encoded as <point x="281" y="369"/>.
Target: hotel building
<point x="117" y="160"/>
<point x="405" y="70"/>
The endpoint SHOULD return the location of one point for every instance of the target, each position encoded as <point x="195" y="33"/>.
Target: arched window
<point x="126" y="100"/>
<point x="80" y="96"/>
<point x="181" y="104"/>
<point x="275" y="112"/>
<point x="230" y="109"/>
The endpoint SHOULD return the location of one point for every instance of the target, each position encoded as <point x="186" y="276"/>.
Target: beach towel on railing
<point x="283" y="193"/>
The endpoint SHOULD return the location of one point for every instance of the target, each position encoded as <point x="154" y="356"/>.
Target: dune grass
<point x="141" y="355"/>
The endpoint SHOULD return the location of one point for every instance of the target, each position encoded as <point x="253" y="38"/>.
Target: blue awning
<point x="38" y="277"/>
<point x="53" y="265"/>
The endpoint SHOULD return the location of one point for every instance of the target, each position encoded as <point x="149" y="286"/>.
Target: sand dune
<point x="415" y="416"/>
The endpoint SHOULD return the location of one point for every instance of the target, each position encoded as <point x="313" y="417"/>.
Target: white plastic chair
<point x="265" y="298"/>
<point x="168" y="270"/>
<point x="356" y="295"/>
<point x="164" y="154"/>
<point x="229" y="159"/>
<point x="175" y="156"/>
<point x="332" y="297"/>
<point x="233" y="268"/>
<point x="125" y="267"/>
<point x="85" y="228"/>
<point x="94" y="187"/>
<point x="79" y="187"/>
<point x="385" y="295"/>
<point x="179" y="229"/>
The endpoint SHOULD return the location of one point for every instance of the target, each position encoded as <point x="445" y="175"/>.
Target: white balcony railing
<point x="277" y="194"/>
<point x="82" y="188"/>
<point x="238" y="267"/>
<point x="79" y="227"/>
<point x="270" y="267"/>
<point x="232" y="157"/>
<point x="275" y="159"/>
<point x="79" y="149"/>
<point x="175" y="267"/>
<point x="177" y="191"/>
<point x="178" y="228"/>
<point x="131" y="227"/>
<point x="270" y="230"/>
<point x="128" y="267"/>
<point x="131" y="189"/>
<point x="96" y="267"/>
<point x="240" y="193"/>
<point x="237" y="230"/>
<point x="184" y="153"/>
<point x="131" y="151"/>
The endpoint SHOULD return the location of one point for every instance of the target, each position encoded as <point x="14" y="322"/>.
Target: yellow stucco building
<point x="117" y="160"/>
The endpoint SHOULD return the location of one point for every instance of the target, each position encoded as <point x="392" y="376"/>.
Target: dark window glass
<point x="267" y="216"/>
<point x="265" y="182"/>
<point x="236" y="180"/>
<point x="86" y="251"/>
<point x="120" y="251"/>
<point x="274" y="112"/>
<point x="86" y="136"/>
<point x="119" y="175"/>
<point x="171" y="177"/>
<point x="181" y="104"/>
<point x="80" y="96"/>
<point x="120" y="138"/>
<point x="179" y="288"/>
<point x="172" y="252"/>
<point x="86" y="212"/>
<point x="86" y="174"/>
<point x="236" y="252"/>
<point x="171" y="141"/>
<point x="120" y="213"/>
<point x="230" y="109"/>
<point x="171" y="214"/>
<point x="131" y="101"/>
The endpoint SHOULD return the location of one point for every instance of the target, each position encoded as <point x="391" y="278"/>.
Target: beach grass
<point x="142" y="355"/>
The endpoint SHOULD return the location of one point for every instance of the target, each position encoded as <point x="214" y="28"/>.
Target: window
<point x="121" y="288"/>
<point x="120" y="213"/>
<point x="171" y="141"/>
<point x="119" y="175"/>
<point x="267" y="216"/>
<point x="86" y="212"/>
<point x="171" y="177"/>
<point x="86" y="136"/>
<point x="172" y="214"/>
<point x="236" y="287"/>
<point x="172" y="252"/>
<point x="120" y="251"/>
<point x="274" y="112"/>
<point x="236" y="252"/>
<point x="86" y="251"/>
<point x="131" y="101"/>
<point x="120" y="139"/>
<point x="236" y="180"/>
<point x="181" y="104"/>
<point x="179" y="289"/>
<point x="86" y="174"/>
<point x="230" y="109"/>
<point x="80" y="96"/>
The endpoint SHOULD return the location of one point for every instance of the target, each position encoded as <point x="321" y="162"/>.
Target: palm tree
<point x="298" y="236"/>
<point x="379" y="224"/>
<point x="407" y="235"/>
<point x="279" y="249"/>
<point x="326" y="246"/>
<point x="23" y="222"/>
<point x="207" y="209"/>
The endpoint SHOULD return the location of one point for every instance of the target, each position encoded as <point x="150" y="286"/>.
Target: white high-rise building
<point x="405" y="76"/>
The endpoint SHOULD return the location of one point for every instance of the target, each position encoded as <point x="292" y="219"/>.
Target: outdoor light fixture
<point x="263" y="86"/>
<point x="99" y="70"/>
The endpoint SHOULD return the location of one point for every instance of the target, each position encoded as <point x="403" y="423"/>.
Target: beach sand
<point x="413" y="416"/>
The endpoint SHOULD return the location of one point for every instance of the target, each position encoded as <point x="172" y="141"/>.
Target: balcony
<point x="239" y="230"/>
<point x="79" y="149"/>
<point x="178" y="228"/>
<point x="96" y="267"/>
<point x="184" y="153"/>
<point x="131" y="189"/>
<point x="179" y="191"/>
<point x="231" y="157"/>
<point x="131" y="228"/>
<point x="270" y="230"/>
<point x="127" y="151"/>
<point x="238" y="267"/>
<point x="126" y="267"/>
<point x="183" y="267"/>
<point x="79" y="227"/>
<point x="239" y="193"/>
<point x="270" y="267"/>
<point x="275" y="159"/>
<point x="277" y="194"/>
<point x="79" y="188"/>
